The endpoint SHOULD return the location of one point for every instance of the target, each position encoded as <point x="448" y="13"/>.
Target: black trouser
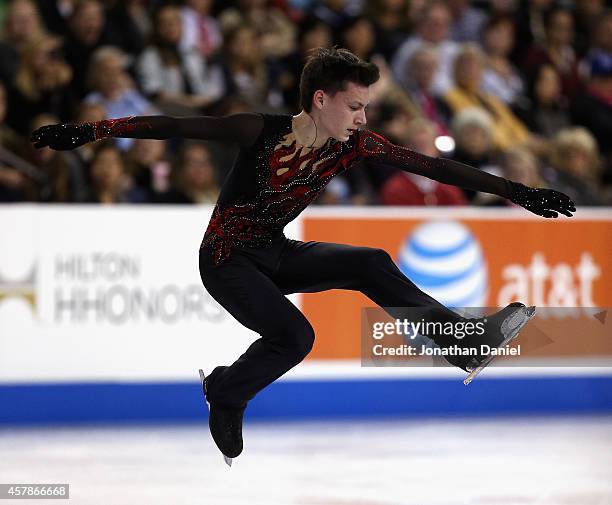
<point x="252" y="284"/>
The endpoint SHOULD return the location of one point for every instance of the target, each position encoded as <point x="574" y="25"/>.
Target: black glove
<point x="543" y="202"/>
<point x="62" y="137"/>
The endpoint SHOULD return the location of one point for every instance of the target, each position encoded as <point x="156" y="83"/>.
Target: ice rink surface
<point x="516" y="461"/>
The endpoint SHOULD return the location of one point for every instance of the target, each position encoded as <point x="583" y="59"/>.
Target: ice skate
<point x="225" y="426"/>
<point x="500" y="329"/>
<point x="504" y="327"/>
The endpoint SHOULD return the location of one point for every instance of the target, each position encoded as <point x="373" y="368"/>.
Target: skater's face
<point x="343" y="113"/>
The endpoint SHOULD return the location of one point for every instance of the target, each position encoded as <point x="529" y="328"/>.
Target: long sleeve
<point x="378" y="150"/>
<point x="243" y="129"/>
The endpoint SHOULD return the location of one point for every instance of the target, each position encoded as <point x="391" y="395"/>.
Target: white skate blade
<point x="527" y="313"/>
<point x="228" y="461"/>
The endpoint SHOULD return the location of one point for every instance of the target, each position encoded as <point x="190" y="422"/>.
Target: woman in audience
<point x="179" y="80"/>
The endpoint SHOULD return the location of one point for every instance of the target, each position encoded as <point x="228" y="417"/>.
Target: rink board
<point x="103" y="316"/>
<point x="368" y="399"/>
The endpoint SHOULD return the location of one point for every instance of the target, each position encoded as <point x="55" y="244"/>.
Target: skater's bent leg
<point x="318" y="266"/>
<point x="256" y="302"/>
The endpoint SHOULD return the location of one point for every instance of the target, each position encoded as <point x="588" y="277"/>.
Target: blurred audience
<point x="467" y="21"/>
<point x="557" y="50"/>
<point x="246" y="74"/>
<point x="179" y="81"/>
<point x="593" y="108"/>
<point x="312" y="33"/>
<point x="392" y="25"/>
<point x="274" y="31"/>
<point x="500" y="77"/>
<point x="546" y="112"/>
<point x="473" y="131"/>
<point x="196" y="175"/>
<point x="112" y="88"/>
<point x="22" y="25"/>
<point x="433" y="28"/>
<point x="528" y="95"/>
<point x="405" y="188"/>
<point x="574" y="166"/>
<point x="507" y="129"/>
<point x="201" y="30"/>
<point x="109" y="181"/>
<point x="41" y="84"/>
<point x="86" y="32"/>
<point x="148" y="164"/>
<point x="420" y="73"/>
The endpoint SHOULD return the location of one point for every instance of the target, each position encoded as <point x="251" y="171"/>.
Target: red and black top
<point x="274" y="178"/>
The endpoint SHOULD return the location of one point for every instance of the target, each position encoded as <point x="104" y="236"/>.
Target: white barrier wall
<point x="96" y="293"/>
<point x="103" y="317"/>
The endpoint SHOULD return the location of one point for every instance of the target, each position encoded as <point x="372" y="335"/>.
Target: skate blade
<point x="528" y="313"/>
<point x="228" y="461"/>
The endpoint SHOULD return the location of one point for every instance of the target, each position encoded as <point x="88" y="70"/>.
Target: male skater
<point x="246" y="262"/>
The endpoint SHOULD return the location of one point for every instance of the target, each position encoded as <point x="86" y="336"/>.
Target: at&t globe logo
<point x="444" y="259"/>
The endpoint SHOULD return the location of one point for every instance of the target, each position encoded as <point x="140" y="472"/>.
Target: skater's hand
<point x="543" y="202"/>
<point x="62" y="137"/>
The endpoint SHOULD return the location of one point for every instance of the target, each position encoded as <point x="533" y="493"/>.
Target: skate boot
<point x="500" y="329"/>
<point x="225" y="426"/>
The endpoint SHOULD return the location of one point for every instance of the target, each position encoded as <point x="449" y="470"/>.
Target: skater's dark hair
<point x="330" y="69"/>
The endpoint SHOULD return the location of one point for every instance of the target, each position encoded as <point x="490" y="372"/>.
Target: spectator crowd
<point x="517" y="88"/>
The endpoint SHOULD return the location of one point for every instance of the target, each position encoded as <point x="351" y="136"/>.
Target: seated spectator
<point x="420" y="72"/>
<point x="519" y="165"/>
<point x="500" y="77"/>
<point x="15" y="186"/>
<point x="433" y="28"/>
<point x="179" y="81"/>
<point x="22" y="25"/>
<point x="110" y="183"/>
<point x="557" y="50"/>
<point x="467" y="21"/>
<point x="129" y="25"/>
<point x="574" y="166"/>
<point x="508" y="130"/>
<point x="148" y="164"/>
<point x="405" y="188"/>
<point x="87" y="31"/>
<point x="472" y="129"/>
<point x="358" y="36"/>
<point x="312" y="33"/>
<point x="593" y="108"/>
<point x="41" y="84"/>
<point x="196" y="176"/>
<point x="529" y="20"/>
<point x="588" y="15"/>
<point x="274" y="31"/>
<point x="113" y="88"/>
<point x="392" y="24"/>
<point x="200" y="29"/>
<point x="247" y="76"/>
<point x="546" y="112"/>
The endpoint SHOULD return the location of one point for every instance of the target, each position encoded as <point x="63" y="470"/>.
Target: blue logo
<point x="444" y="259"/>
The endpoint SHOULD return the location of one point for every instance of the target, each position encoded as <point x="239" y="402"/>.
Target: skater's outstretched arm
<point x="240" y="128"/>
<point x="543" y="202"/>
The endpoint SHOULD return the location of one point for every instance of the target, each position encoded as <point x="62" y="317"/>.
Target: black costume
<point x="248" y="265"/>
